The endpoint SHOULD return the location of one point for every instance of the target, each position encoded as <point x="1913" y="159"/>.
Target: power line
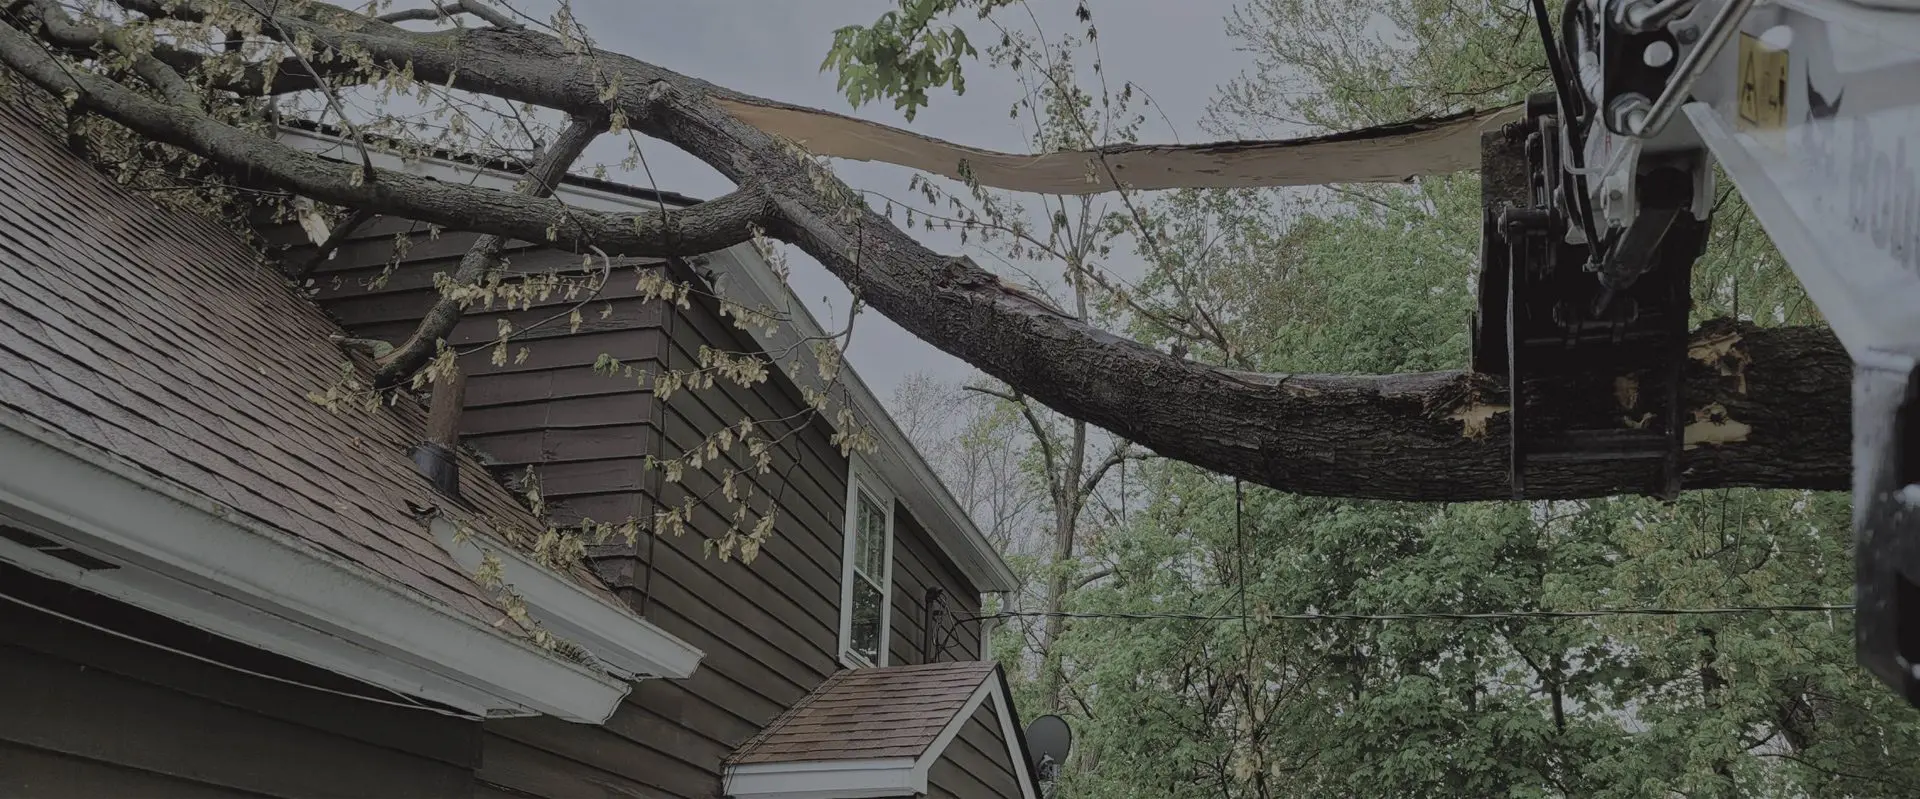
<point x="1737" y="610"/>
<point x="407" y="705"/>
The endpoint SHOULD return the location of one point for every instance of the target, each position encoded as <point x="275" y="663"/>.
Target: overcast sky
<point x="1176" y="50"/>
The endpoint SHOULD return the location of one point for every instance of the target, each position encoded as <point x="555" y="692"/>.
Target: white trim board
<point x="744" y="277"/>
<point x="188" y="557"/>
<point x="888" y="777"/>
<point x="861" y="479"/>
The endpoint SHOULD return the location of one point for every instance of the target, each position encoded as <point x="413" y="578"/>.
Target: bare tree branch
<point x="1122" y="452"/>
<point x="1090" y="577"/>
<point x="429" y="13"/>
<point x="1047" y="459"/>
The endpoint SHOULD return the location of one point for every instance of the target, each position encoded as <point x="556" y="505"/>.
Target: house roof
<point x="156" y="339"/>
<point x="880" y="733"/>
<point x="861" y="714"/>
<point x="747" y="278"/>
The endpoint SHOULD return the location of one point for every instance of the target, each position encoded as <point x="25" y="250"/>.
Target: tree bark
<point x="1771" y="405"/>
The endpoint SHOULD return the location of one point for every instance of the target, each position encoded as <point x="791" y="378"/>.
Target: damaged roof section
<point x="155" y="345"/>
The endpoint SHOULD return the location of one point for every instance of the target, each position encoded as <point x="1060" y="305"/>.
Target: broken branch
<point x="1434" y="436"/>
<point x="482" y="261"/>
<point x="434" y="12"/>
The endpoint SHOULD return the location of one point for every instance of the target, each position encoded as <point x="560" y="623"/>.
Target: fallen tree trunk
<point x="1770" y="406"/>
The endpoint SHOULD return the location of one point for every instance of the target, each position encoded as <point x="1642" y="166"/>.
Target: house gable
<point x="982" y="761"/>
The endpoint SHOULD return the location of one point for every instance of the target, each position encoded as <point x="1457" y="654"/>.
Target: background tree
<point x="1235" y="699"/>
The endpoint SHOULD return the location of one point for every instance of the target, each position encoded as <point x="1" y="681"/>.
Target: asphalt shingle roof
<point x="861" y="714"/>
<point x="159" y="337"/>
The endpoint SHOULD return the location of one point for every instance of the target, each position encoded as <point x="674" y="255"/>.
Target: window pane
<point x="870" y="538"/>
<point x="866" y="621"/>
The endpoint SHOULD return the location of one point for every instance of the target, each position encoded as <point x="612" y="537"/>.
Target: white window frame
<point x="863" y="478"/>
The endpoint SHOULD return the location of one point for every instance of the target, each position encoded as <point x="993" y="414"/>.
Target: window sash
<point x="865" y="612"/>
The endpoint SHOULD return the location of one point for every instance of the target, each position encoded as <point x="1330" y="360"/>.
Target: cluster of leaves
<point x="905" y="52"/>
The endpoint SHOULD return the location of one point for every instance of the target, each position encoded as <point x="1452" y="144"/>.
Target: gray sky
<point x="1174" y="49"/>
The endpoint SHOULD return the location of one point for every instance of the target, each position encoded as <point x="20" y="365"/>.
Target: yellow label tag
<point x="1763" y="85"/>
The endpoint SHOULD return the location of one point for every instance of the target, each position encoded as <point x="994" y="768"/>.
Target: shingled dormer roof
<point x="876" y="732"/>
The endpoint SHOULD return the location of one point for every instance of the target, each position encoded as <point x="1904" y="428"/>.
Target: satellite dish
<point x="1048" y="739"/>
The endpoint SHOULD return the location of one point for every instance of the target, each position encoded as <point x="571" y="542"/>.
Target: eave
<point x="183" y="555"/>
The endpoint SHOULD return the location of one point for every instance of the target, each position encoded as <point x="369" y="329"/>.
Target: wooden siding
<point x="977" y="764"/>
<point x="770" y="628"/>
<point x="88" y="714"/>
<point x="918" y="565"/>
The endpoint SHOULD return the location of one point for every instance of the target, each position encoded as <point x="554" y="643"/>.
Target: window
<point x="866" y="592"/>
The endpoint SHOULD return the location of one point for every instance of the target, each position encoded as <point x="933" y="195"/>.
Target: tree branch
<point x="430" y="13"/>
<point x="64" y="32"/>
<point x="1122" y="451"/>
<point x="1770" y="407"/>
<point x="1047" y="459"/>
<point x="335" y="238"/>
<point x="435" y="12"/>
<point x="326" y="89"/>
<point x="1089" y="577"/>
<point x="709" y="226"/>
<point x="483" y="259"/>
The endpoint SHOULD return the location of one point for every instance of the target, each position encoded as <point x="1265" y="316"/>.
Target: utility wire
<point x="1737" y="610"/>
<point x="409" y="705"/>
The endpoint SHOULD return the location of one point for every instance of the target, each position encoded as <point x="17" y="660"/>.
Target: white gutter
<point x="184" y="555"/>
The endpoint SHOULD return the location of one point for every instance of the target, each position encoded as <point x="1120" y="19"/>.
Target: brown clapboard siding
<point x="29" y="773"/>
<point x="530" y="771"/>
<point x="770" y="628"/>
<point x="88" y="713"/>
<point x="919" y="564"/>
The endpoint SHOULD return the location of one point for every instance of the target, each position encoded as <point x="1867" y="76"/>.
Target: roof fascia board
<point x="268" y="583"/>
<point x="923" y="491"/>
<point x="617" y="637"/>
<point x="826" y="779"/>
<point x="1015" y="737"/>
